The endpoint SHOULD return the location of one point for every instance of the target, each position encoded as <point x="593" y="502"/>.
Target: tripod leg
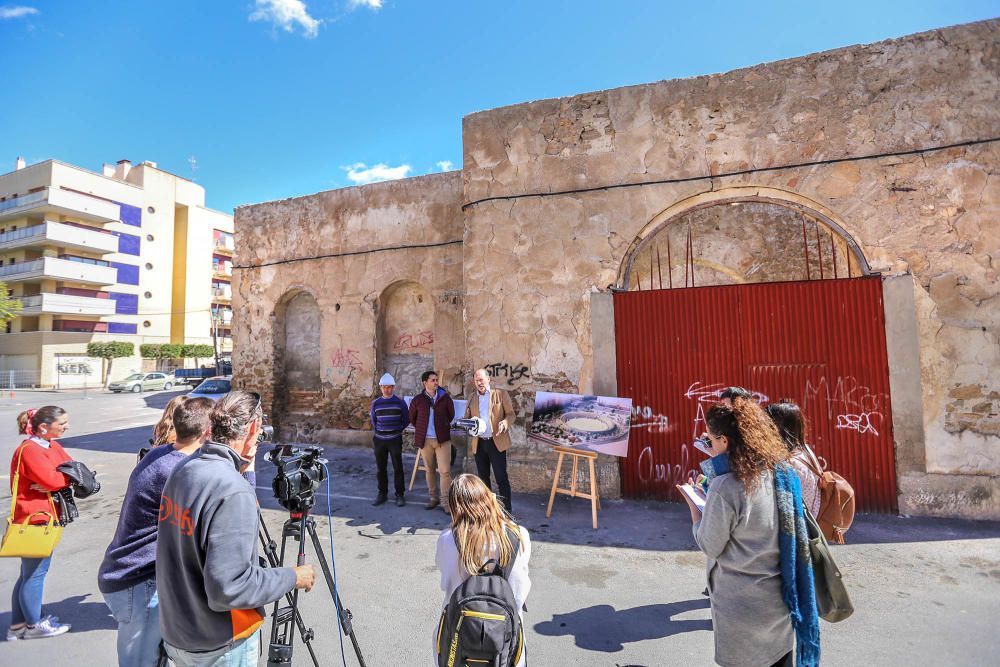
<point x="270" y="551"/>
<point x="345" y="614"/>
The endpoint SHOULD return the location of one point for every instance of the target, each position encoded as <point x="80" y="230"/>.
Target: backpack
<point x="481" y="625"/>
<point x="836" y="504"/>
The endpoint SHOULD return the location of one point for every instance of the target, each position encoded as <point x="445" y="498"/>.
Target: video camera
<point x="299" y="473"/>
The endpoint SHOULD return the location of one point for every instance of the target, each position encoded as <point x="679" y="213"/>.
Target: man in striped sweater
<point x="389" y="417"/>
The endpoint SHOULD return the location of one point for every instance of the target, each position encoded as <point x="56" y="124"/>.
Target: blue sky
<point x="267" y="99"/>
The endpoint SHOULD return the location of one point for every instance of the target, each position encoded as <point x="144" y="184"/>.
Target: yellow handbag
<point x="24" y="540"/>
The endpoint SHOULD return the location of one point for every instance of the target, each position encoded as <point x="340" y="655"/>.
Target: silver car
<point x="214" y="387"/>
<point x="143" y="382"/>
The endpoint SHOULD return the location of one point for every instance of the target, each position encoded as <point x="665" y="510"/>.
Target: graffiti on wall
<point x="512" y="372"/>
<point x="854" y="406"/>
<point x="422" y="341"/>
<point x="344" y="362"/>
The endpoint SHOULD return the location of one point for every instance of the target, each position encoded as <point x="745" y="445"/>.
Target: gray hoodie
<point x="211" y="588"/>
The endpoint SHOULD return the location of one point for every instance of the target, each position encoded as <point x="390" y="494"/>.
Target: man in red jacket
<point x="431" y="413"/>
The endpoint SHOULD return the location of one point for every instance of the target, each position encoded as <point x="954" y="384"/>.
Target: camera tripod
<point x="284" y="620"/>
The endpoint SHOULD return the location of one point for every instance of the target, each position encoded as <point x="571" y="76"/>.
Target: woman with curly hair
<point x="753" y="531"/>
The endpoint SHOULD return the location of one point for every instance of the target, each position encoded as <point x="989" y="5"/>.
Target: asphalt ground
<point x="926" y="591"/>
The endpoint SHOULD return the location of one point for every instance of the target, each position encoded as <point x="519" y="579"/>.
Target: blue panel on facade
<point x="130" y="215"/>
<point x="128" y="244"/>
<point x="128" y="274"/>
<point x="126" y="304"/>
<point x="122" y="328"/>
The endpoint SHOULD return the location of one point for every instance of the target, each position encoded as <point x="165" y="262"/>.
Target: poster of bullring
<point x="595" y="423"/>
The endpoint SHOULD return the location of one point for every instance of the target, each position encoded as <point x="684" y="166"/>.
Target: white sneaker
<point x="14" y="635"/>
<point x="45" y="628"/>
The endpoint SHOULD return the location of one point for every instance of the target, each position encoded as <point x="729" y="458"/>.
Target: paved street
<point x="927" y="592"/>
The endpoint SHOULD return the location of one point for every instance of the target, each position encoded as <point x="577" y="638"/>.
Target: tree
<point x="171" y="351"/>
<point x="197" y="352"/>
<point x="9" y="306"/>
<point x="107" y="351"/>
<point x="150" y="351"/>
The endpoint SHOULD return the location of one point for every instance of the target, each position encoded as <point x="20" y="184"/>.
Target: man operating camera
<point x="212" y="588"/>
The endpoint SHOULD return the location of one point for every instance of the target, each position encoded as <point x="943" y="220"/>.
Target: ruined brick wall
<point x="370" y="232"/>
<point x="532" y="262"/>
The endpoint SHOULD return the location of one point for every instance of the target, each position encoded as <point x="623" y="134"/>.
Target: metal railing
<point x="20" y="379"/>
<point x="22" y="267"/>
<point x="23" y="233"/>
<point x="24" y="200"/>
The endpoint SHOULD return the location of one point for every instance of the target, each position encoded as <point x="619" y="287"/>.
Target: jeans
<point x="244" y="653"/>
<point x="137" y="612"/>
<point x="26" y="600"/>
<point x="488" y="456"/>
<point x="383" y="450"/>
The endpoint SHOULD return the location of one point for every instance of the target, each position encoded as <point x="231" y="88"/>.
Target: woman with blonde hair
<point x="482" y="537"/>
<point x="163" y="432"/>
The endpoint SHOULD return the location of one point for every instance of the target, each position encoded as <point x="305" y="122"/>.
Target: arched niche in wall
<point x="405" y="335"/>
<point x="740" y="235"/>
<point x="297" y="352"/>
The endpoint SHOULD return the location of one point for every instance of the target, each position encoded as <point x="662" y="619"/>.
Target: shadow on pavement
<point x="83" y="615"/>
<point x="603" y="628"/>
<point x="160" y="399"/>
<point x="122" y="441"/>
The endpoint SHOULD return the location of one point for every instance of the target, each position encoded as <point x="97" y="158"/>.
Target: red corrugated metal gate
<point x="820" y="343"/>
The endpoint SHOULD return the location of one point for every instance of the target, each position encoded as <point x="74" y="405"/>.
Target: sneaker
<point x="400" y="501"/>
<point x="14" y="635"/>
<point x="45" y="628"/>
<point x="432" y="503"/>
<point x="380" y="499"/>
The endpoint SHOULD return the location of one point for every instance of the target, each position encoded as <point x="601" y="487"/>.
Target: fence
<point x="20" y="379"/>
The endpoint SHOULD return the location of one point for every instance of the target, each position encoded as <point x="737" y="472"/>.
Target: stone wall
<point x="932" y="214"/>
<point x="365" y="241"/>
<point x="567" y="198"/>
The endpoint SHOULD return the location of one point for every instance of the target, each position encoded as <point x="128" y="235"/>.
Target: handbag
<point x="27" y="540"/>
<point x="832" y="600"/>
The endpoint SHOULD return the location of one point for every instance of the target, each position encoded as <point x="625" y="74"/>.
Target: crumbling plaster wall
<point x="349" y="223"/>
<point x="531" y="262"/>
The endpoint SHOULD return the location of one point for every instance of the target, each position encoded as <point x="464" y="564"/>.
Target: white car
<point x="214" y="387"/>
<point x="143" y="382"/>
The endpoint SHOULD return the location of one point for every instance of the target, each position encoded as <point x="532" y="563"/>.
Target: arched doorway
<point x="297" y="361"/>
<point x="767" y="293"/>
<point x="406" y="335"/>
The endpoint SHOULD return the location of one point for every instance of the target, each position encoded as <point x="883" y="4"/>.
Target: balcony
<point x="60" y="202"/>
<point x="59" y="234"/>
<point x="66" y="304"/>
<point x="223" y="247"/>
<point x="59" y="269"/>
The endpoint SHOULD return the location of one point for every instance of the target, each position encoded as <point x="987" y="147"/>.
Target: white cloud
<point x="286" y="14"/>
<point x="361" y="174"/>
<point x="370" y="4"/>
<point x="18" y="11"/>
<point x="445" y="165"/>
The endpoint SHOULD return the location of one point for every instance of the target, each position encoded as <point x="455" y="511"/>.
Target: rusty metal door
<point x="819" y="343"/>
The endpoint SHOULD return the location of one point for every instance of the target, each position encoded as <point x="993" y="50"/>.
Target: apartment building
<point x="129" y="254"/>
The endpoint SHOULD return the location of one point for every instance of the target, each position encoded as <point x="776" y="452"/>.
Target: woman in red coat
<point x="35" y="462"/>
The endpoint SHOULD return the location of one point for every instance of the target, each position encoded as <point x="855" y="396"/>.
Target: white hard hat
<point x="387" y="379"/>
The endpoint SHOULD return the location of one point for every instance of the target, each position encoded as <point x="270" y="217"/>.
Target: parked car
<point x="143" y="382"/>
<point x="213" y="388"/>
<point x="196" y="375"/>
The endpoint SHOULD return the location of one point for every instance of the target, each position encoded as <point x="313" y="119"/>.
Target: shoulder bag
<point x="24" y="540"/>
<point x="831" y="595"/>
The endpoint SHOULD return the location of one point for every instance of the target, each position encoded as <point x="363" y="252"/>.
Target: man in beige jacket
<point x="490" y="447"/>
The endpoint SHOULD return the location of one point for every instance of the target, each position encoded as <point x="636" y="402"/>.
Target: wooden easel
<point x="417" y="467"/>
<point x="593" y="496"/>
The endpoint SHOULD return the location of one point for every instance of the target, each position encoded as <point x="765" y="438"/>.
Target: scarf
<point x="713" y="467"/>
<point x="797" y="586"/>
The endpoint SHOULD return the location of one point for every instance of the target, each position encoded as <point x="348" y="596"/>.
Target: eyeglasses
<point x="259" y="403"/>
